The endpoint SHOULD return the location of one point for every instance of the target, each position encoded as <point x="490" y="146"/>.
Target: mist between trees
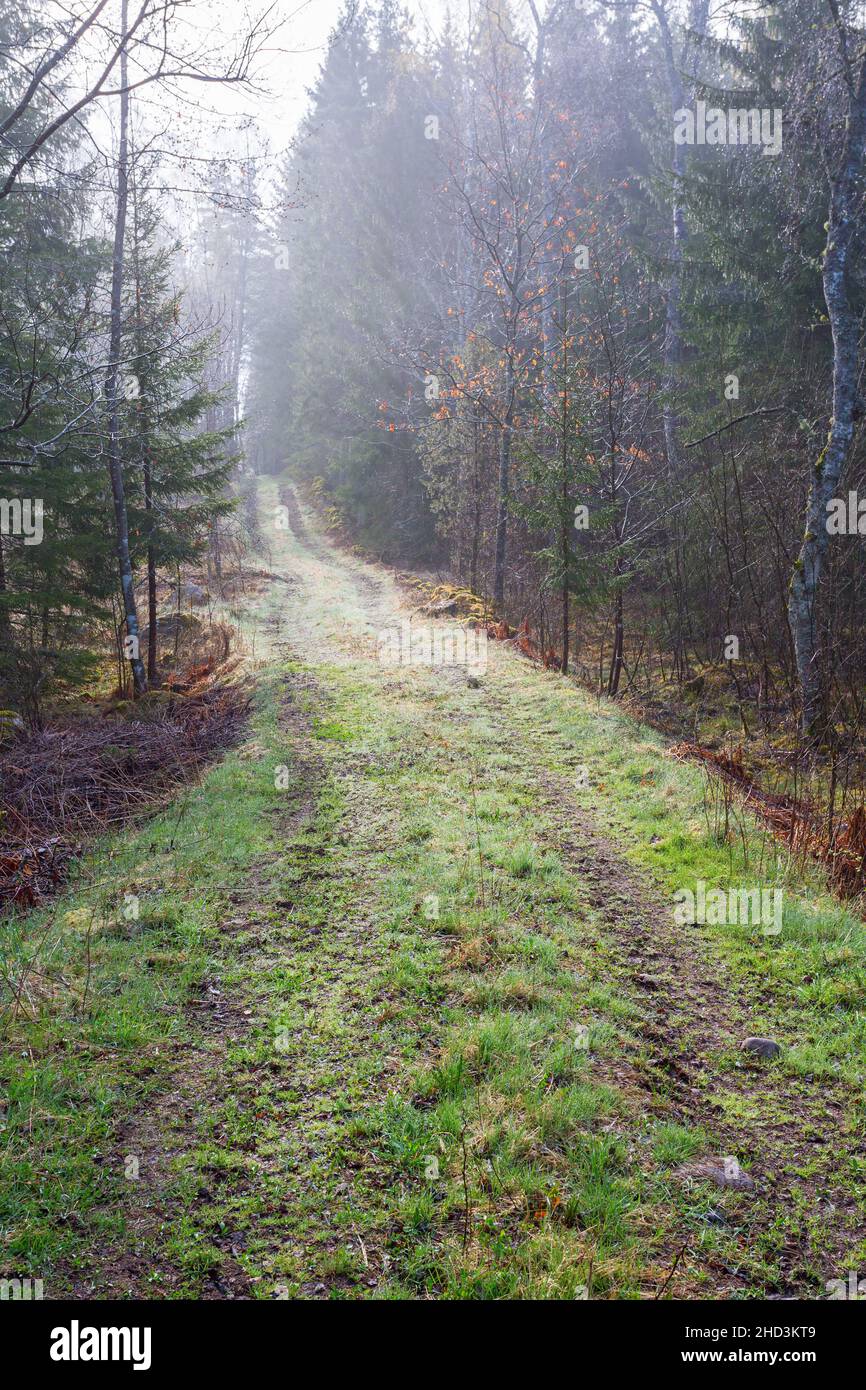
<point x="521" y="328"/>
<point x="564" y="301"/>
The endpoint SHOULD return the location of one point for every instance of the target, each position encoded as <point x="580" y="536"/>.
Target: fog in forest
<point x="432" y="677"/>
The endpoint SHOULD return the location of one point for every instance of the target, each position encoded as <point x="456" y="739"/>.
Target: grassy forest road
<point x="425" y="1025"/>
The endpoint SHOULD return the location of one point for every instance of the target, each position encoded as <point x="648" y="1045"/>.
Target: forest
<point x="432" y="686"/>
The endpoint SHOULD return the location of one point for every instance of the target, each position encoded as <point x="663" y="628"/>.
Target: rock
<point x="762" y="1047"/>
<point x="724" y="1172"/>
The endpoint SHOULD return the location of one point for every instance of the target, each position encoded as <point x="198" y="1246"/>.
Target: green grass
<point x="816" y="969"/>
<point x="485" y="1040"/>
<point x="105" y="1019"/>
<point x="425" y="1082"/>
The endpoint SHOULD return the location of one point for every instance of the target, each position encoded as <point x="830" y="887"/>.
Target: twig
<point x="679" y="1256"/>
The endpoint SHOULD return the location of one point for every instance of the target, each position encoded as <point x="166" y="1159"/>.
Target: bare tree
<point x="113" y="385"/>
<point x="507" y="208"/>
<point x="149" y="36"/>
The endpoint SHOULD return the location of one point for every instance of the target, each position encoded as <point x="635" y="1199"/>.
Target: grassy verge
<point x="812" y="976"/>
<point x="110" y="965"/>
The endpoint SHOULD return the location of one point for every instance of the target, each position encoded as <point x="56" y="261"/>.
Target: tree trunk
<point x="565" y="623"/>
<point x="673" y="345"/>
<point x="241" y="299"/>
<point x="112" y="385"/>
<point x="143" y="428"/>
<point x="616" y="655"/>
<point x="476" y="503"/>
<point x="5" y="627"/>
<point x="828" y="470"/>
<point x="504" y="480"/>
<point x="566" y="517"/>
<point x="152" y="674"/>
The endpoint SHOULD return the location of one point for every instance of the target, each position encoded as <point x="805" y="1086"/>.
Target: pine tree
<point x="177" y="474"/>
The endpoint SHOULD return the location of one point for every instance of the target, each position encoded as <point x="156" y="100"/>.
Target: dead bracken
<point x="793" y="820"/>
<point x="78" y="778"/>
